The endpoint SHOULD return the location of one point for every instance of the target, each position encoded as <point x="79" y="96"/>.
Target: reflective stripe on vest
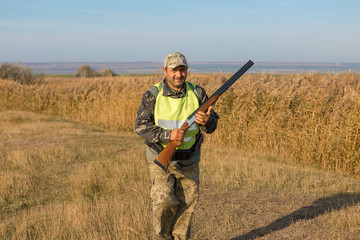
<point x="170" y="113"/>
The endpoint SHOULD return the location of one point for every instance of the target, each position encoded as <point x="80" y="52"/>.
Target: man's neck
<point x="174" y="89"/>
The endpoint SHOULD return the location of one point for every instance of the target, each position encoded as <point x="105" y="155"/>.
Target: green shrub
<point x="86" y="71"/>
<point x="16" y="72"/>
<point x="107" y="72"/>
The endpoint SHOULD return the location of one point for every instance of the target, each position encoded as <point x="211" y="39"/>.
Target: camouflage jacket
<point x="145" y="123"/>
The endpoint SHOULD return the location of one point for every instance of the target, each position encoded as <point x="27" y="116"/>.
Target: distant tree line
<point x="24" y="75"/>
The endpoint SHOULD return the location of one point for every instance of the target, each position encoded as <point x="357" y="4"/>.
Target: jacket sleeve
<point x="211" y="126"/>
<point x="145" y="121"/>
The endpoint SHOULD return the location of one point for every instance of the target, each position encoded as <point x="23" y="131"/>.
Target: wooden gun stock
<point x="166" y="155"/>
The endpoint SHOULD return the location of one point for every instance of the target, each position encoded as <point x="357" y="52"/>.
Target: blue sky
<point x="212" y="30"/>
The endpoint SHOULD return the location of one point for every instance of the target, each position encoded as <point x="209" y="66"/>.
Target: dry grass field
<point x="65" y="180"/>
<point x="308" y="119"/>
<point x="284" y="163"/>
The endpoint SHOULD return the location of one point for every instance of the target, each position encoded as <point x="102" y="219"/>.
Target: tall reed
<point x="310" y="119"/>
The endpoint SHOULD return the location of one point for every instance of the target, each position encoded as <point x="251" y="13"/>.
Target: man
<point x="163" y="109"/>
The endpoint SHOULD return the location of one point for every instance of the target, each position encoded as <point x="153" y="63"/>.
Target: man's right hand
<point x="177" y="135"/>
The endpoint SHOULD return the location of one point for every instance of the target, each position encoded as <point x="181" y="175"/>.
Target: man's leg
<point x="187" y="192"/>
<point x="164" y="201"/>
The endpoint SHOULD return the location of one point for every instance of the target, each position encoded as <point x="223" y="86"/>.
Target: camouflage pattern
<point x="174" y="60"/>
<point x="195" y="157"/>
<point x="145" y="123"/>
<point x="174" y="194"/>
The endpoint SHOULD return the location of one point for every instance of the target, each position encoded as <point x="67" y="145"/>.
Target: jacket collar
<point x="168" y="91"/>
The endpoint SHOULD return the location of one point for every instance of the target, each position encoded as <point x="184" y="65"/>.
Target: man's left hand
<point x="202" y="118"/>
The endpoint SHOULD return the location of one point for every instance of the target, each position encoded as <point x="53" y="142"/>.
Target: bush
<point x="107" y="72"/>
<point x="86" y="71"/>
<point x="17" y="73"/>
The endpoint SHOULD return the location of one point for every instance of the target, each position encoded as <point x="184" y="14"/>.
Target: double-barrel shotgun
<point x="166" y="155"/>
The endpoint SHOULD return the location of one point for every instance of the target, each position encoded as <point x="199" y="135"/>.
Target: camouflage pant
<point x="174" y="194"/>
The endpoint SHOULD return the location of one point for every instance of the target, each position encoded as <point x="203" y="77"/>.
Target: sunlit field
<point x="283" y="163"/>
<point x="310" y="119"/>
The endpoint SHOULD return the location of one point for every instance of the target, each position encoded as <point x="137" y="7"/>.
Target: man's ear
<point x="164" y="70"/>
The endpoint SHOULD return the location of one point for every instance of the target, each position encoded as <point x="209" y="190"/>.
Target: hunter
<point x="163" y="109"/>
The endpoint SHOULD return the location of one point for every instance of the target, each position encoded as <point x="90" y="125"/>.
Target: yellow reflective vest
<point x="170" y="113"/>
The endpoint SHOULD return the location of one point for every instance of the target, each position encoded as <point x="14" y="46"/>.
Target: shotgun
<point x="165" y="156"/>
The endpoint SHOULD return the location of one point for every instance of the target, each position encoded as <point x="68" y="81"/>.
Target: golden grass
<point x="64" y="180"/>
<point x="309" y="119"/>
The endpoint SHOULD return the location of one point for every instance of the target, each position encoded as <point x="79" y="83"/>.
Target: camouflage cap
<point x="174" y="60"/>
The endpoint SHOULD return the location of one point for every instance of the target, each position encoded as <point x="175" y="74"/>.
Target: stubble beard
<point x="176" y="82"/>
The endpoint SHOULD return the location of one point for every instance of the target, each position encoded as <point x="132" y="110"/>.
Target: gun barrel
<point x="235" y="77"/>
<point x="222" y="89"/>
<point x="165" y="156"/>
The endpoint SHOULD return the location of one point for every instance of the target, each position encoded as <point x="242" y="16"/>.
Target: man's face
<point x="176" y="77"/>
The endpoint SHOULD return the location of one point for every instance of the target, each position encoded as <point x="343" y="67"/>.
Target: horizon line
<point x="190" y="62"/>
